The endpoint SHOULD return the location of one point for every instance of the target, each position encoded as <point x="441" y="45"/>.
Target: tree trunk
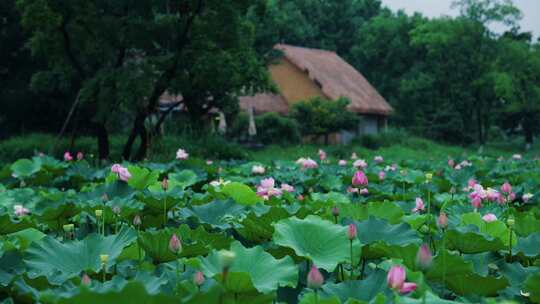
<point x="103" y="141"/>
<point x="143" y="147"/>
<point x="528" y="131"/>
<point x="139" y="121"/>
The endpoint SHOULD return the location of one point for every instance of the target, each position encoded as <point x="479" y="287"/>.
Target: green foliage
<point x="319" y="116"/>
<point x="271" y="128"/>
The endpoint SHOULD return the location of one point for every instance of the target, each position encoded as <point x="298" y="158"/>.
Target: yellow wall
<point x="293" y="83"/>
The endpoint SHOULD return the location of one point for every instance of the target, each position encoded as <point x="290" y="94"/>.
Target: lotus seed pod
<point x="227" y="258"/>
<point x="99" y="213"/>
<point x="104" y="258"/>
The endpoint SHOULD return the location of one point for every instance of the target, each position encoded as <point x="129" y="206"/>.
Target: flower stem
<point x="165" y="212"/>
<point x="352" y="263"/>
<point x="510" y="246"/>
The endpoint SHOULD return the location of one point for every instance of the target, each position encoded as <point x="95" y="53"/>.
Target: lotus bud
<point x="68" y="227"/>
<point x="335" y="211"/>
<point x="227" y="258"/>
<point x="506" y="188"/>
<point x="137" y="220"/>
<point x="424" y="257"/>
<point x="442" y="220"/>
<point x="429" y="177"/>
<point x="490" y="217"/>
<point x="396" y="277"/>
<point x="352" y="232"/>
<point x="360" y="179"/>
<point x="510" y="222"/>
<point x="103" y="258"/>
<point x="99" y="213"/>
<point x="165" y="184"/>
<point x="116" y="210"/>
<point x="198" y="278"/>
<point x="408" y="287"/>
<point x="80" y="155"/>
<point x="424" y="229"/>
<point x="175" y="245"/>
<point x="85" y="280"/>
<point x="315" y="279"/>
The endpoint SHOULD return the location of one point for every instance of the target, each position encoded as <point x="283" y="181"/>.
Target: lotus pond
<point x="324" y="231"/>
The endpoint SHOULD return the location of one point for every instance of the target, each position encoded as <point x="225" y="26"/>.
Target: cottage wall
<point x="293" y="83"/>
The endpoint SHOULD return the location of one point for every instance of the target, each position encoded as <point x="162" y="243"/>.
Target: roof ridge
<point x="277" y="46"/>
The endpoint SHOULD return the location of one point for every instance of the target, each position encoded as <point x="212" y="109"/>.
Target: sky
<point x="435" y="8"/>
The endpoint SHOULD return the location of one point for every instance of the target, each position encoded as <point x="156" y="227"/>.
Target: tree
<point x="119" y="57"/>
<point x="319" y="116"/>
<point x="517" y="83"/>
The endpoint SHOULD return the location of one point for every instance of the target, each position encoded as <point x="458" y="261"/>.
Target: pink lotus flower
<point x="116" y="168"/>
<point x="396" y="277"/>
<point x="314" y="279"/>
<point x="20" y="210"/>
<point x="267" y="188"/>
<point x="80" y="156"/>
<point x="378" y="159"/>
<point x="492" y="195"/>
<point x="257" y="169"/>
<point x="476" y="202"/>
<point x="68" y="157"/>
<point x="322" y="155"/>
<point x="407" y="287"/>
<point x="360" y="179"/>
<point x="342" y="162"/>
<point x="123" y="174"/>
<point x="85" y="280"/>
<point x="209" y="162"/>
<point x="506" y="188"/>
<point x="419" y="205"/>
<point x="527" y="196"/>
<point x="354" y="156"/>
<point x="471" y="183"/>
<point x="360" y="163"/>
<point x="424" y="257"/>
<point x="490" y="217"/>
<point x="517" y="157"/>
<point x="310" y="164"/>
<point x="364" y="191"/>
<point x="382" y="175"/>
<point x="181" y="154"/>
<point x="442" y="220"/>
<point x="352" y="190"/>
<point x="351" y="232"/>
<point x="175" y="245"/>
<point x="198" y="278"/>
<point x="451" y="163"/>
<point x="458" y="167"/>
<point x="287" y="188"/>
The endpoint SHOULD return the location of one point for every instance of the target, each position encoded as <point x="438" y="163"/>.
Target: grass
<point x="396" y="147"/>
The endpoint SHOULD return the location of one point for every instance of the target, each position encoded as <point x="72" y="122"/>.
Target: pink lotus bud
<point x="124" y="174"/>
<point x="442" y="220"/>
<point x="451" y="163"/>
<point x="351" y="232"/>
<point x="476" y="202"/>
<point x="511" y="197"/>
<point x="360" y="179"/>
<point x="181" y="154"/>
<point x="175" y="245"/>
<point x="506" y="188"/>
<point x="396" y="277"/>
<point x="309" y="164"/>
<point x="165" y="184"/>
<point x="424" y="257"/>
<point x="490" y="217"/>
<point x="382" y="175"/>
<point x="300" y="197"/>
<point x="407" y="287"/>
<point x="315" y="279"/>
<point x="80" y="156"/>
<point x="287" y="188"/>
<point x="137" y="220"/>
<point x="67" y="156"/>
<point x="116" y="168"/>
<point x="419" y="205"/>
<point x="335" y="211"/>
<point x="322" y="155"/>
<point x="364" y="191"/>
<point x="342" y="162"/>
<point x="85" y="280"/>
<point x="198" y="278"/>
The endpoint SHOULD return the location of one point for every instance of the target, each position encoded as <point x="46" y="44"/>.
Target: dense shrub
<point x="272" y="128"/>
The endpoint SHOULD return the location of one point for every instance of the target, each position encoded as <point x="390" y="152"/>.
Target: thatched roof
<point x="336" y="78"/>
<point x="262" y="103"/>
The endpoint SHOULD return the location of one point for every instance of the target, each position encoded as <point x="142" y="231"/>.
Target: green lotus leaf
<point x="360" y="212"/>
<point x="529" y="246"/>
<point x="260" y="228"/>
<point x="516" y="275"/>
<point x="155" y="200"/>
<point x="526" y="223"/>
<point x="240" y="289"/>
<point x="266" y="272"/>
<point x="24" y="168"/>
<point x="183" y="179"/>
<point x="59" y="262"/>
<point x="9" y="225"/>
<point x="312" y="298"/>
<point x="240" y="193"/>
<point x="21" y="240"/>
<point x="331" y="198"/>
<point x="321" y="241"/>
<point x="496" y="229"/>
<point x="430" y="298"/>
<point x="469" y="240"/>
<point x="364" y="290"/>
<point x="141" y="178"/>
<point x="220" y="214"/>
<point x="56" y="214"/>
<point x="11" y="265"/>
<point x="532" y="285"/>
<point x="375" y="230"/>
